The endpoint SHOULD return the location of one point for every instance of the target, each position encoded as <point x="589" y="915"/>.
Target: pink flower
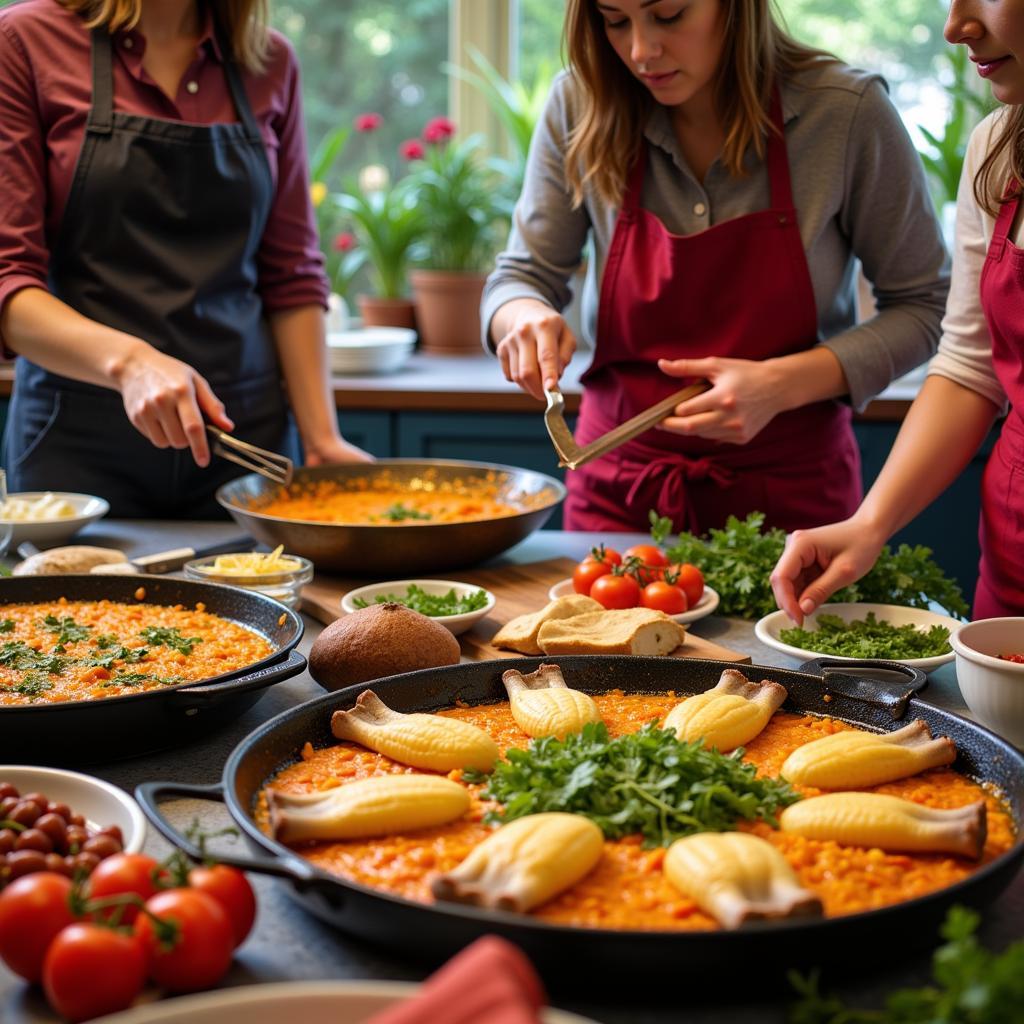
<point x="368" y="122"/>
<point x="345" y="242"/>
<point x="438" y="129"/>
<point x="412" y="149"/>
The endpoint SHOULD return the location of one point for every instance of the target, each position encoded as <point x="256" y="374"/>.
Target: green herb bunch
<point x="647" y="782"/>
<point x="868" y="638"/>
<point x="433" y="605"/>
<point x="737" y="562"/>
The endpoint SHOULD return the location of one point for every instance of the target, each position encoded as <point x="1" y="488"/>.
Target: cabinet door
<point x="372" y="431"/>
<point x="511" y="439"/>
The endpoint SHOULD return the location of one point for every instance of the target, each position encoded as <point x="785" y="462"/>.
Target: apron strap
<point x="776" y="158"/>
<point x="238" y="93"/>
<point x="101" y="113"/>
<point x="1004" y="221"/>
<point x="635" y="181"/>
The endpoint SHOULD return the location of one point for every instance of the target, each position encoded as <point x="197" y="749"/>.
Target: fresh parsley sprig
<point x="646" y="782"/>
<point x="169" y="636"/>
<point x="433" y="605"/>
<point x="868" y="638"/>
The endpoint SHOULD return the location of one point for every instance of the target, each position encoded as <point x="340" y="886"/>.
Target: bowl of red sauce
<point x="990" y="671"/>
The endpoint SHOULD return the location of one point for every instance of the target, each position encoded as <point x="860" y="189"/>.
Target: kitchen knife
<point x="168" y="561"/>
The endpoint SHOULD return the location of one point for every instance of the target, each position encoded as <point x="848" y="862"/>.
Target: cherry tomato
<point x="664" y="597"/>
<point x="33" y="910"/>
<point x="123" y="873"/>
<point x="689" y="579"/>
<point x="586" y="573"/>
<point x="231" y="889"/>
<point x="616" y="591"/>
<point x="201" y="954"/>
<point x="602" y="554"/>
<point x="91" y="970"/>
<point x="649" y="554"/>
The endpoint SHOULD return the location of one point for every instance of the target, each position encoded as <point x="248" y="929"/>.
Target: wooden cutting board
<point x="519" y="589"/>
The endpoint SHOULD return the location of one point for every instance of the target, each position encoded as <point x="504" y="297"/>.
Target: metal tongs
<point x="273" y="466"/>
<point x="572" y="456"/>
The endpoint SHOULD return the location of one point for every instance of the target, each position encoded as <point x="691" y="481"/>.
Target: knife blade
<point x="169" y="561"/>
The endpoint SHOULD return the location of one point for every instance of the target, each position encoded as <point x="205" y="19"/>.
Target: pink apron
<point x="738" y="289"/>
<point x="1000" y="589"/>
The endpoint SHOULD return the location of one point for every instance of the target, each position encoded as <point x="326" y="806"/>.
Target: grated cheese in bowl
<point x="47" y="507"/>
<point x="254" y="563"/>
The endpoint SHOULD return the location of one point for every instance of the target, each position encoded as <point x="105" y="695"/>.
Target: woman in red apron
<point x="979" y="368"/>
<point x="713" y="269"/>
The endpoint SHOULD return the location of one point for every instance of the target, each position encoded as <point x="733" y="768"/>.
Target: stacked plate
<point x="370" y="349"/>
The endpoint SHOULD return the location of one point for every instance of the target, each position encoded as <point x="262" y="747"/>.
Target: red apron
<point x="738" y="289"/>
<point x="1000" y="589"/>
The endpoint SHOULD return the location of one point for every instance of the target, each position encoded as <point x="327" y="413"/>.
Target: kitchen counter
<point x="289" y="944"/>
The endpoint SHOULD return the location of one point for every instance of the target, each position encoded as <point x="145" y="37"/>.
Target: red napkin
<point x="489" y="982"/>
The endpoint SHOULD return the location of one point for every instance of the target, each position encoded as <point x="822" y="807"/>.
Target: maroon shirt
<point x="45" y="96"/>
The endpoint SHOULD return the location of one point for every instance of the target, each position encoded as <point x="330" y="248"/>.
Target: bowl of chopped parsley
<point x="456" y="606"/>
<point x="913" y="636"/>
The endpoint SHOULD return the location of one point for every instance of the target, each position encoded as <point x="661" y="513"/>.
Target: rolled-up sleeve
<point x="889" y="218"/>
<point x="291" y="265"/>
<point x="24" y="256"/>
<point x="545" y="244"/>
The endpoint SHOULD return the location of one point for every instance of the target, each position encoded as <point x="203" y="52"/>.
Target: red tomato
<point x="689" y="579"/>
<point x="664" y="597"/>
<point x="602" y="554"/>
<point x="33" y="910"/>
<point x="586" y="573"/>
<point x="123" y="873"/>
<point x="231" y="889"/>
<point x="649" y="554"/>
<point x="91" y="970"/>
<point x="201" y="954"/>
<point x="616" y="591"/>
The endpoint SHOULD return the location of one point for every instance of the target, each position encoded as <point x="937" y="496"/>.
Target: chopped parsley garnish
<point x="105" y="640"/>
<point x="16" y="654"/>
<point x="129" y="655"/>
<point x="32" y="685"/>
<point x="431" y="604"/>
<point x="140" y="679"/>
<point x="7" y="626"/>
<point x="868" y="638"/>
<point x="68" y="631"/>
<point x="167" y="636"/>
<point x="648" y="782"/>
<point x="398" y="513"/>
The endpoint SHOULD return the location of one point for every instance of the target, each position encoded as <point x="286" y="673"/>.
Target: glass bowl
<point x="282" y="586"/>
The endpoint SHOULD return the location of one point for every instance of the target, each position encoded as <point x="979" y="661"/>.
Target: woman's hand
<point x="166" y="401"/>
<point x="536" y="345"/>
<point x="334" y="450"/>
<point x="745" y="396"/>
<point x="816" y="563"/>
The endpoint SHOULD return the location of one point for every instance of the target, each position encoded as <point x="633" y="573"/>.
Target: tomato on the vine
<point x="664" y="597"/>
<point x="33" y="910"/>
<point x="231" y="889"/>
<point x="609" y="556"/>
<point x="689" y="579"/>
<point x="587" y="573"/>
<point x="616" y="591"/>
<point x="649" y="554"/>
<point x="91" y="970"/>
<point x="124" y="873"/>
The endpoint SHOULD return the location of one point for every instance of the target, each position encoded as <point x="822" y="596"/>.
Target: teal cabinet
<point x="374" y="432"/>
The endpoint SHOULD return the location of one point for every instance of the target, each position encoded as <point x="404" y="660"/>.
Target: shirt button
<point x="192" y="87"/>
<point x="700" y="209"/>
<point x="128" y="43"/>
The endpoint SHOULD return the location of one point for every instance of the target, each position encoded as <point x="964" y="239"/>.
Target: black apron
<point x="159" y="239"/>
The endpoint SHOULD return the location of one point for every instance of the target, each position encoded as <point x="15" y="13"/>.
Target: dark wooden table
<point x="289" y="944"/>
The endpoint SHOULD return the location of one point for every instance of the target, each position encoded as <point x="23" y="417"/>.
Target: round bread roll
<point x="76" y="558"/>
<point x="381" y="640"/>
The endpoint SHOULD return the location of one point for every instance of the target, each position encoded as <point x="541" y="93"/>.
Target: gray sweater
<point x="860" y="193"/>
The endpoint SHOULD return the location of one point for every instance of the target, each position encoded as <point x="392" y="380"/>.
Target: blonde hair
<point x="991" y="187"/>
<point x="243" y="22"/>
<point x="756" y="51"/>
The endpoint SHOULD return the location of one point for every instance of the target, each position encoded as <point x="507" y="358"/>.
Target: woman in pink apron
<point x="728" y="188"/>
<point x="978" y="371"/>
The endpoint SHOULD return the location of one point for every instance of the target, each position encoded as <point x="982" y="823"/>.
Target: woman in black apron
<point x="159" y="248"/>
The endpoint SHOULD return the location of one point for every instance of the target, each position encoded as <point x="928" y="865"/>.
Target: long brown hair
<point x="755" y="52"/>
<point x="243" y="22"/>
<point x="991" y="187"/>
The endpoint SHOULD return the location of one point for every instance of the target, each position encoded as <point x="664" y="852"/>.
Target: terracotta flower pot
<point x="448" y="310"/>
<point x="378" y="312"/>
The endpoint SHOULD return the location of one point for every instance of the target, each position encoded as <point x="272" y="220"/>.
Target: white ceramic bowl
<point x="312" y="1002"/>
<point x="101" y="803"/>
<point x="767" y="629"/>
<point x="48" y="532"/>
<point x="370" y="349"/>
<point x="455" y="623"/>
<point x="705" y="606"/>
<point x="992" y="687"/>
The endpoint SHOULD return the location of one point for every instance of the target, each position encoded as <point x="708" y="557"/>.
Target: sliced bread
<point x="520" y="633"/>
<point x="613" y="631"/>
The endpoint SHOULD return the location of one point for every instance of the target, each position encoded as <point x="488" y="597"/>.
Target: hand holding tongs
<point x="273" y="466"/>
<point x="572" y="456"/>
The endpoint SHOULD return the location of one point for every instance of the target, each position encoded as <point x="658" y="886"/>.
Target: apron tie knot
<point x="670" y="474"/>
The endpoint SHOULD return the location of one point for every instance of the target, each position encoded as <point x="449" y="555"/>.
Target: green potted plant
<point x="464" y="203"/>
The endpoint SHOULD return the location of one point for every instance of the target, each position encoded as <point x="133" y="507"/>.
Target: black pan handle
<point x="149" y="795"/>
<point x="203" y="696"/>
<point x="888" y="684"/>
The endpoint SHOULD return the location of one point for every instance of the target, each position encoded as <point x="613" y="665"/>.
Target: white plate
<point x="767" y="629"/>
<point x="370" y="349"/>
<point x="100" y="803"/>
<point x="455" y="623"/>
<point x="88" y="508"/>
<point x="705" y="606"/>
<point x="312" y="1002"/>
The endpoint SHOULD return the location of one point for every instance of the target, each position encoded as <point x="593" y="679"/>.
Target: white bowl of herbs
<point x="457" y="606"/>
<point x="913" y="636"/>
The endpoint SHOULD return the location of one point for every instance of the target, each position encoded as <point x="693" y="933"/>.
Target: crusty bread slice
<point x="613" y="631"/>
<point x="520" y="633"/>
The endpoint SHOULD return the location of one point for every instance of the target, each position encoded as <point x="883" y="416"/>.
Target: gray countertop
<point x="289" y="944"/>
